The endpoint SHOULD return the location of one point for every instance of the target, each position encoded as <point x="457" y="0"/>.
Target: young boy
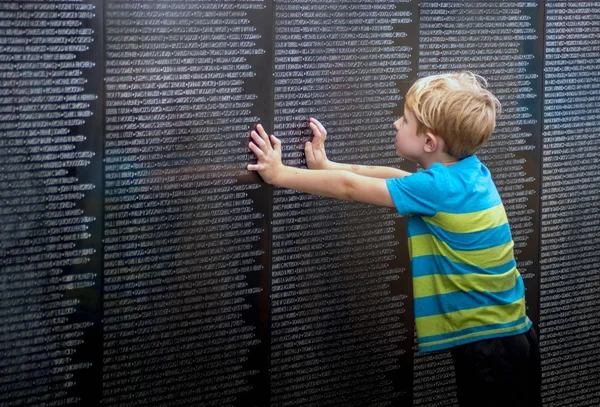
<point x="469" y="296"/>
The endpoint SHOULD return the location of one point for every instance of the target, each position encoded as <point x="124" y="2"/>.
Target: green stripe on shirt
<point x="469" y="222"/>
<point x="424" y="245"/>
<point x="435" y="284"/>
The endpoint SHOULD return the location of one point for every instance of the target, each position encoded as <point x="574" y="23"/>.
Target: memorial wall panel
<point x="570" y="283"/>
<point x="339" y="332"/>
<point x="502" y="42"/>
<point x="141" y="264"/>
<point x="184" y="238"/>
<point x="50" y="211"/>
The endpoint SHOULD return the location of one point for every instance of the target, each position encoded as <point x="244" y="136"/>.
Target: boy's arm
<point x="373" y="171"/>
<point x="331" y="183"/>
<point x="316" y="158"/>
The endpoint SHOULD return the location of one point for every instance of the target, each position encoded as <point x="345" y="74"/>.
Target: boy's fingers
<point x="256" y="137"/>
<point x="314" y="129"/>
<point x="263" y="134"/>
<point x="276" y="143"/>
<point x="259" y="142"/>
<point x="259" y="153"/>
<point x="318" y="140"/>
<point x="308" y="151"/>
<point x="319" y="126"/>
<point x="252" y="167"/>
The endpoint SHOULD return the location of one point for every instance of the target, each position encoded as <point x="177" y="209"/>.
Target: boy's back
<point x="465" y="281"/>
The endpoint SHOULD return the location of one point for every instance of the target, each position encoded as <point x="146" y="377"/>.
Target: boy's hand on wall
<point x="316" y="158"/>
<point x="269" y="156"/>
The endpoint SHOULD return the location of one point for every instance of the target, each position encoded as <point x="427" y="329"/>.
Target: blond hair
<point x="456" y="107"/>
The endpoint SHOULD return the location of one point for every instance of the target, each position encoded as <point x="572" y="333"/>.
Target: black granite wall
<point x="142" y="265"/>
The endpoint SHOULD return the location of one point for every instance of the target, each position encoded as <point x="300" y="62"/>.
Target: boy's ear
<point x="432" y="142"/>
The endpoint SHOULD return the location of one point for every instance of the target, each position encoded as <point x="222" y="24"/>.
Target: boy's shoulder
<point x="463" y="187"/>
<point x="456" y="176"/>
<point x="470" y="187"/>
<point x="468" y="170"/>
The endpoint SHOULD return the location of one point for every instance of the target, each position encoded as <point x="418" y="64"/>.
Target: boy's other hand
<point x="269" y="156"/>
<point x="316" y="158"/>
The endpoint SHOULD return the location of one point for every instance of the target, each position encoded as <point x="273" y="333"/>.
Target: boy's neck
<point x="438" y="157"/>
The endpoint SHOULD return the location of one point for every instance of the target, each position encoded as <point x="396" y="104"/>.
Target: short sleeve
<point x="420" y="193"/>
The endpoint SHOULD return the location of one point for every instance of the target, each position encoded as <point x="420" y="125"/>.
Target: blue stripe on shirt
<point x="458" y="301"/>
<point x="434" y="264"/>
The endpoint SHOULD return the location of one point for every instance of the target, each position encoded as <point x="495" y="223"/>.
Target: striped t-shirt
<point x="465" y="279"/>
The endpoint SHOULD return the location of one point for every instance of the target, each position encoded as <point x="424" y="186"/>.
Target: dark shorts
<point x="502" y="371"/>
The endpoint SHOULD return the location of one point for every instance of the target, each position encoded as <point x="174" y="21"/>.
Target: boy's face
<point x="409" y="144"/>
